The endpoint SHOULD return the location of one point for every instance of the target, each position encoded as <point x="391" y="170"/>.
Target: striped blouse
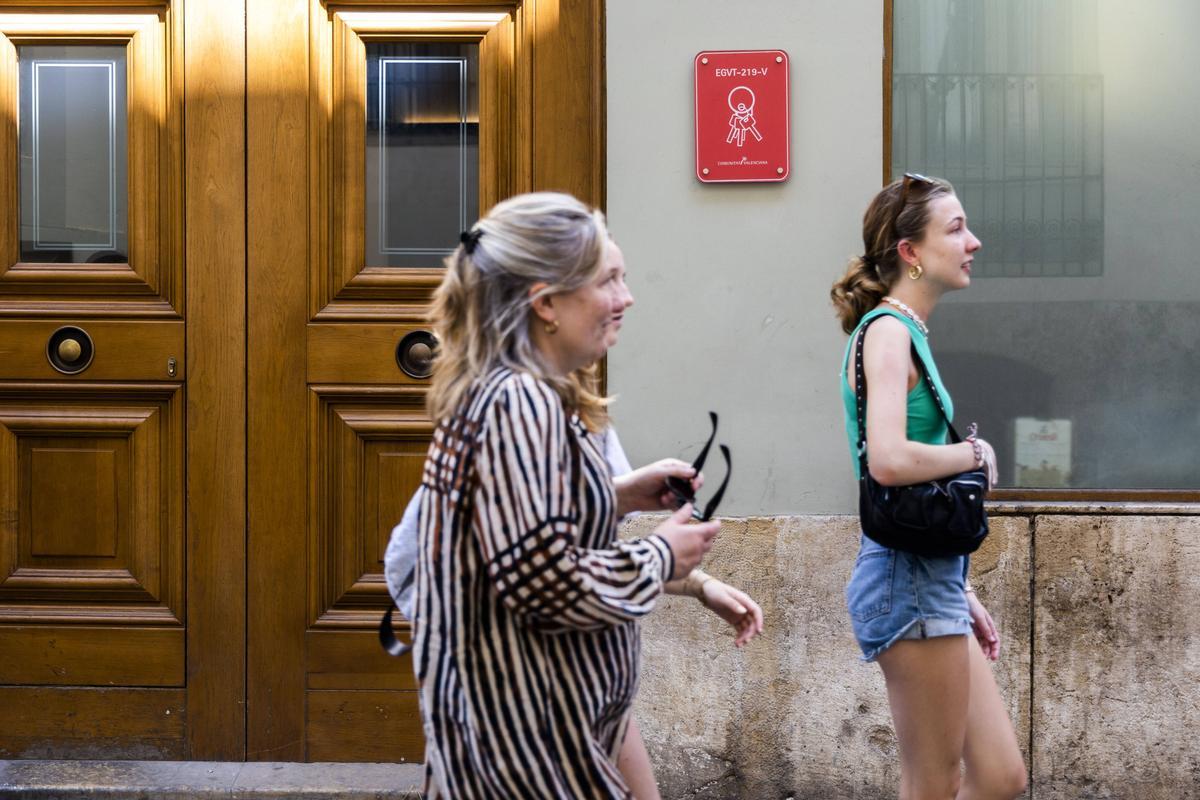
<point x="526" y="640"/>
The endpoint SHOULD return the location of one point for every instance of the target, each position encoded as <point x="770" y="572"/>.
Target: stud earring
<point x="551" y="327"/>
<point x="916" y="271"/>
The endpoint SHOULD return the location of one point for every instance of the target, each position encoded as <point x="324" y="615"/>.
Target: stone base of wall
<point x="1099" y="619"/>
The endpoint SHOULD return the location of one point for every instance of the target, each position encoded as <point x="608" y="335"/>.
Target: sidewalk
<point x="186" y="780"/>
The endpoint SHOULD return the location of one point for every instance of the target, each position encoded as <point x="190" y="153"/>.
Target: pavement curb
<point x="189" y="780"/>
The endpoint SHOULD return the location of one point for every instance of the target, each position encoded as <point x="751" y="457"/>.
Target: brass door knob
<point x="70" y="350"/>
<point x="421" y="355"/>
<point x="415" y="353"/>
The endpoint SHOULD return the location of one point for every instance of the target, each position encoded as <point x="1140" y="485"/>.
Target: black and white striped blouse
<point x="526" y="639"/>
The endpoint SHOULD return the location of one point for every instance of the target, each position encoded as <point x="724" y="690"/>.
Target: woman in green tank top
<point x="918" y="617"/>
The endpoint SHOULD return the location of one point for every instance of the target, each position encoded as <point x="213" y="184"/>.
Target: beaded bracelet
<point x="976" y="447"/>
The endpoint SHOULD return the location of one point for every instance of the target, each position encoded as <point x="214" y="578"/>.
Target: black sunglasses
<point x="681" y="488"/>
<point x="911" y="179"/>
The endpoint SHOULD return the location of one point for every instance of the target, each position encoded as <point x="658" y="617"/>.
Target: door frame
<point x="213" y="42"/>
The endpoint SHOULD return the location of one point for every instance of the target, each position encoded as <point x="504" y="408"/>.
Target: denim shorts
<point x="894" y="595"/>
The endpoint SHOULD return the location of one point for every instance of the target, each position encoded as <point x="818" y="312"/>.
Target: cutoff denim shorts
<point x="894" y="595"/>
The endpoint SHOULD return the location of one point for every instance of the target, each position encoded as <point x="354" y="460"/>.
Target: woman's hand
<point x="989" y="463"/>
<point x="689" y="543"/>
<point x="984" y="627"/>
<point x="735" y="607"/>
<point x="645" y="489"/>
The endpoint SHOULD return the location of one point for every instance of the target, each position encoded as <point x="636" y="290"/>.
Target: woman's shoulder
<point x="504" y="390"/>
<point x="886" y="318"/>
<point x="887" y="329"/>
<point x="519" y="382"/>
<point x="891" y="324"/>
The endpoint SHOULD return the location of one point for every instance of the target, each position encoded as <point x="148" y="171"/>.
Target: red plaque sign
<point x="742" y="116"/>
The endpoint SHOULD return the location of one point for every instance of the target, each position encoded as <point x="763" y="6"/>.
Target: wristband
<point x="693" y="584"/>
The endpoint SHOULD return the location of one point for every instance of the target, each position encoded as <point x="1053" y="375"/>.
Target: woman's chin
<point x="591" y="358"/>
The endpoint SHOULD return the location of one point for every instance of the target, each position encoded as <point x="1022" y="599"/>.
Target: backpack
<point x="400" y="571"/>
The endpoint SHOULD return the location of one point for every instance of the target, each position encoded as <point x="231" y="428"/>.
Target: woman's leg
<point x="995" y="769"/>
<point x="634" y="763"/>
<point x="928" y="690"/>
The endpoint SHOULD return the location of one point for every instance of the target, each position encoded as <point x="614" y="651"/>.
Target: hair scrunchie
<point x="469" y="239"/>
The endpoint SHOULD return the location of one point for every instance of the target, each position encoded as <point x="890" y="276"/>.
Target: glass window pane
<point x="422" y="179"/>
<point x="73" y="153"/>
<point x="1068" y="129"/>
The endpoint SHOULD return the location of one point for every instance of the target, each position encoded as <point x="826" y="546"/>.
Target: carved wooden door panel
<point x="377" y="131"/>
<point x="121" y="381"/>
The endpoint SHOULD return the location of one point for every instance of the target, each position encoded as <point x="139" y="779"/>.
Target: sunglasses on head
<point x="912" y="179"/>
<point x="681" y="488"/>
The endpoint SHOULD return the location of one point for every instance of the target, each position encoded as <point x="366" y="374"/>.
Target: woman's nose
<point x="626" y="297"/>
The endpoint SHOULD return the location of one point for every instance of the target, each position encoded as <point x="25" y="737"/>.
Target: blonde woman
<point x="526" y="640"/>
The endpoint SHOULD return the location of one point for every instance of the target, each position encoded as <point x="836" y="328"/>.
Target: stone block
<point x="1116" y="658"/>
<point x="207" y="780"/>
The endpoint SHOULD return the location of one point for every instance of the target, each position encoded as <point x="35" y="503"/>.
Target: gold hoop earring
<point x="551" y="327"/>
<point x="916" y="271"/>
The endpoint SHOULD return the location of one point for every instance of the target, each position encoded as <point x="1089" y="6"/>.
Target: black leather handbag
<point x="935" y="519"/>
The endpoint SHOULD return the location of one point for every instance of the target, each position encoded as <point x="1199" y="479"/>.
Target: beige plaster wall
<point x="1100" y="663"/>
<point x="732" y="281"/>
<point x="1101" y="659"/>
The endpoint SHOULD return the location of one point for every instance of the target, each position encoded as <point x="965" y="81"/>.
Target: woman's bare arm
<point x="892" y="459"/>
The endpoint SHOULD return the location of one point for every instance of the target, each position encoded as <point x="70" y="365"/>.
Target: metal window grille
<point x="1024" y="152"/>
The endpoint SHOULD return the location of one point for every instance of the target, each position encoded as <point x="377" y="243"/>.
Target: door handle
<point x="70" y="350"/>
<point x="415" y="354"/>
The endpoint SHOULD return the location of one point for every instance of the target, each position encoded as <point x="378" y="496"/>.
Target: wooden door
<point x="122" y="378"/>
<point x="376" y="132"/>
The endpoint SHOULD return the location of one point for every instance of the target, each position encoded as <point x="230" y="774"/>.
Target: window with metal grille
<point x="1068" y="129"/>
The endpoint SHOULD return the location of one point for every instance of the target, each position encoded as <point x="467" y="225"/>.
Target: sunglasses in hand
<point x="681" y="488"/>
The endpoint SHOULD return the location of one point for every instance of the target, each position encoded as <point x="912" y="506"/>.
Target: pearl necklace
<point x="908" y="312"/>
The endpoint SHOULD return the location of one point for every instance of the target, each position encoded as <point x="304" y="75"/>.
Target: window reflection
<point x="73" y="153"/>
<point x="1068" y="128"/>
<point x="422" y="160"/>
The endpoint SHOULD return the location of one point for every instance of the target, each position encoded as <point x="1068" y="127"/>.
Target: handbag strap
<point x="387" y="635"/>
<point x="860" y="394"/>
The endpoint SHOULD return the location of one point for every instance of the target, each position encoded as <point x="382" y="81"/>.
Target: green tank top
<point x="925" y="423"/>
